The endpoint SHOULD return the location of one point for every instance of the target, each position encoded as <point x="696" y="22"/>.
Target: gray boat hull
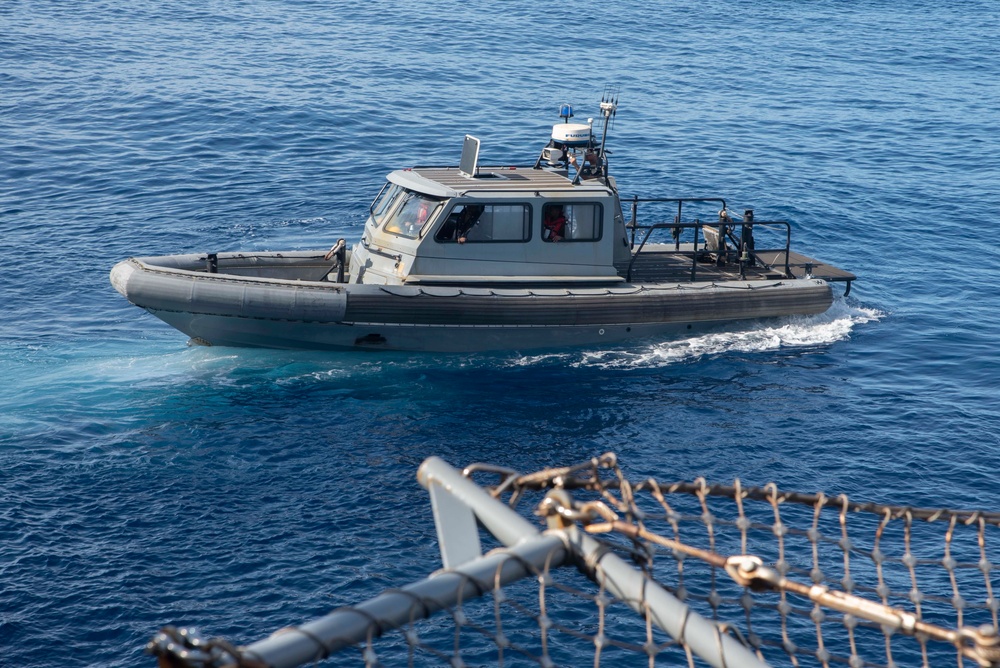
<point x="262" y="304"/>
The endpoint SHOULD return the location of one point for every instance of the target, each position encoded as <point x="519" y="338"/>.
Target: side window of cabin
<point x="471" y="223"/>
<point x="409" y="218"/>
<point x="571" y="222"/>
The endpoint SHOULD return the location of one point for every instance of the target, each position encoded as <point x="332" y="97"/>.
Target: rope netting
<point x="551" y="619"/>
<point x="798" y="579"/>
<point x="809" y="578"/>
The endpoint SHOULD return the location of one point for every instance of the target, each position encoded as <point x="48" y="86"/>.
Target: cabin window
<point x="472" y="223"/>
<point x="386" y="197"/>
<point x="410" y="217"/>
<point x="571" y="222"/>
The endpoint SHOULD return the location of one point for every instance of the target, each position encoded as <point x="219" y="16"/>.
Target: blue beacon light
<point x="566" y="112"/>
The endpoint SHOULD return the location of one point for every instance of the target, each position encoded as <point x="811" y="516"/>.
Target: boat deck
<point x="663" y="264"/>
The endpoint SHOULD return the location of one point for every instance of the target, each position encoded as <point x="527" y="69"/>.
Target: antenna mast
<point x="609" y="108"/>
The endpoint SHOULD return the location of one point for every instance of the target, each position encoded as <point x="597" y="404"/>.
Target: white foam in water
<point x="835" y="324"/>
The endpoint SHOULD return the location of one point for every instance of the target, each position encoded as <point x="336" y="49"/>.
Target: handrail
<point x="680" y="205"/>
<point x="697" y="225"/>
<point x="747" y="223"/>
<point x="661" y="226"/>
<point x="597" y="562"/>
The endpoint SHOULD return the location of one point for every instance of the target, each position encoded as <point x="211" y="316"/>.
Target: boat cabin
<point x="502" y="225"/>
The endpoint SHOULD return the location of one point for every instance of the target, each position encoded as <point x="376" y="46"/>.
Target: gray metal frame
<point x="458" y="503"/>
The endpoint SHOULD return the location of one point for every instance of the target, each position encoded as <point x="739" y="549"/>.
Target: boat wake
<point x="835" y="324"/>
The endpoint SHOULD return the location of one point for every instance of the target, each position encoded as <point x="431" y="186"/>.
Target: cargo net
<point x="802" y="579"/>
<point x="797" y="579"/>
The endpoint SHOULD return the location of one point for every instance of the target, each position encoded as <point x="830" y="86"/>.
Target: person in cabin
<point x="423" y="210"/>
<point x="460" y="222"/>
<point x="554" y="223"/>
<point x="466" y="220"/>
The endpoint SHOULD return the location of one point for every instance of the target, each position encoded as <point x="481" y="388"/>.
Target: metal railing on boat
<point x="723" y="229"/>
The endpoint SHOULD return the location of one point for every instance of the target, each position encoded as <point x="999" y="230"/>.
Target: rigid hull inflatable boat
<point x="474" y="258"/>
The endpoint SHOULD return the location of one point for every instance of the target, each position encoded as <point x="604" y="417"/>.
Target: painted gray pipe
<point x="393" y="609"/>
<point x="621" y="579"/>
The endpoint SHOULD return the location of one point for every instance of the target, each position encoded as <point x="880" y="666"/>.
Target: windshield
<point x="388" y="195"/>
<point x="411" y="215"/>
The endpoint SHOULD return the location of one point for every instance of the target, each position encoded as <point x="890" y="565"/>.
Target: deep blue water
<point x="144" y="482"/>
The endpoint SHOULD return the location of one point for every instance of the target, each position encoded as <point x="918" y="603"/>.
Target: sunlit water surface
<point x="144" y="482"/>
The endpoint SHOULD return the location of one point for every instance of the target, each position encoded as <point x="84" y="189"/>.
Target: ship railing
<point x="735" y="576"/>
<point x="458" y="504"/>
<point x="719" y="239"/>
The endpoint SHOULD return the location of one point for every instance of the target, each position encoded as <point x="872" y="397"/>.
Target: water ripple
<point x="143" y="482"/>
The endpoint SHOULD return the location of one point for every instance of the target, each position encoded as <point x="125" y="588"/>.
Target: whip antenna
<point x="609" y="109"/>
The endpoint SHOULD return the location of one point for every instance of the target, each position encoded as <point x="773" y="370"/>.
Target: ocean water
<point x="144" y="482"/>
